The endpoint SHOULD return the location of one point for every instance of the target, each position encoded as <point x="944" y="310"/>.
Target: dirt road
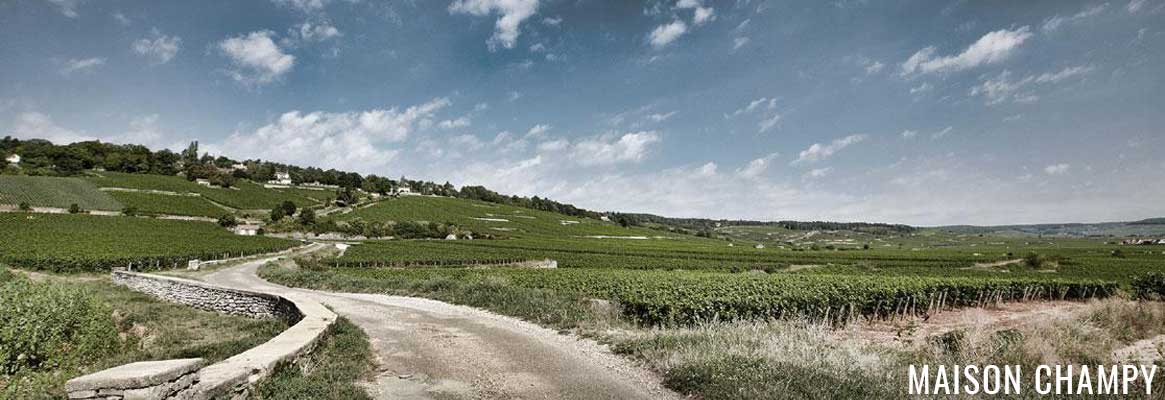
<point x="433" y="350"/>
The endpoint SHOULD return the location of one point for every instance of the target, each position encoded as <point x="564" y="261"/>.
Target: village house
<point x="13" y="159"/>
<point x="202" y="182"/>
<point x="239" y="167"/>
<point x="281" y="178"/>
<point x="758" y="246"/>
<point x="246" y="229"/>
<point x="403" y="191"/>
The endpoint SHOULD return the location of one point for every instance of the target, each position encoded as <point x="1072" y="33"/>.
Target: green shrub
<point x="45" y="326"/>
<point x="74" y="209"/>
<point x="1149" y="286"/>
<point x="24" y="206"/>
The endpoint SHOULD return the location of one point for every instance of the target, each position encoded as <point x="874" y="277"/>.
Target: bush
<point x="228" y="221"/>
<point x="24" y="206"/>
<point x="129" y="211"/>
<point x="1149" y="286"/>
<point x="74" y="209"/>
<point x="45" y="326"/>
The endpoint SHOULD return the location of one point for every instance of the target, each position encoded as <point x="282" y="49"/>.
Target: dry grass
<point x="798" y="359"/>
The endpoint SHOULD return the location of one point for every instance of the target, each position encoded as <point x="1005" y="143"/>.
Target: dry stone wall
<point x="210" y="298"/>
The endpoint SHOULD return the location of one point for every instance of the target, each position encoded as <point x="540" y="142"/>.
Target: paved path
<point x="427" y="349"/>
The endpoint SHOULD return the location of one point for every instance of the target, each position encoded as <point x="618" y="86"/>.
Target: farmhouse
<point x="202" y="182"/>
<point x="281" y="178"/>
<point x="13" y="159"/>
<point x="246" y="229"/>
<point x="759" y="246"/>
<point x="403" y="191"/>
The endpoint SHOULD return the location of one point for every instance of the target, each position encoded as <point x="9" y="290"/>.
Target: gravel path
<point x="428" y="349"/>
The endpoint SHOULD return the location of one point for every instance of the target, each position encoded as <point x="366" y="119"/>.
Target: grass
<point x="331" y="371"/>
<point x="136" y="327"/>
<point x="799" y="359"/>
<point x="44" y="191"/>
<point x="161" y="204"/>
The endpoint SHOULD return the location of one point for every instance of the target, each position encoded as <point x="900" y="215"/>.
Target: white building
<point x="239" y="167"/>
<point x="13" y="159"/>
<point x="281" y="178"/>
<point x="246" y="229"/>
<point x="759" y="246"/>
<point x="404" y="191"/>
<point x="202" y="182"/>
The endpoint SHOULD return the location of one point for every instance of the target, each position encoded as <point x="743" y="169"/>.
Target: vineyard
<point x="154" y="204"/>
<point x="489" y="218"/>
<point x="82" y="243"/>
<point x="43" y="191"/>
<point x="245" y="195"/>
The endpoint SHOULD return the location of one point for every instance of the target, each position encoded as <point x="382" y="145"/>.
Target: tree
<point x="288" y="208"/>
<point x="307" y="216"/>
<point x="228" y="221"/>
<point x="345" y="197"/>
<point x="74" y="209"/>
<point x="190" y="155"/>
<point x="24" y="206"/>
<point x="130" y="211"/>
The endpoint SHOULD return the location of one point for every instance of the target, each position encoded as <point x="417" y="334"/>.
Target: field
<point x="73" y="243"/>
<point x="42" y="191"/>
<point x="245" y="195"/>
<point x="164" y="204"/>
<point x="488" y="218"/>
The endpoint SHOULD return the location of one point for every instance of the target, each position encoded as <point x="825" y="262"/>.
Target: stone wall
<point x="231" y="378"/>
<point x="209" y="297"/>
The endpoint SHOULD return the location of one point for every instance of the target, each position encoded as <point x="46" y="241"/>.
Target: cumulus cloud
<point x="160" y="50"/>
<point x="347" y="140"/>
<point x="459" y="122"/>
<point x="538" y="130"/>
<point x="256" y="57"/>
<point x="818" y="151"/>
<point x="817" y="173"/>
<point x="1055" y="22"/>
<point x="81" y="65"/>
<point x="703" y="15"/>
<point x="990" y="49"/>
<point x="610" y="149"/>
<point x="1057" y="169"/>
<point x="512" y="14"/>
<point x="909" y="134"/>
<point x="667" y="33"/>
<point x="874" y="67"/>
<point x="143" y="130"/>
<point x="310" y="32"/>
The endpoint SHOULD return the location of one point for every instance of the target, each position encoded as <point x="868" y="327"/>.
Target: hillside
<point x="42" y="191"/>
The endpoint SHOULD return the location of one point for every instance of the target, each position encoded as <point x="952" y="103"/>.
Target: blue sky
<point x="920" y="112"/>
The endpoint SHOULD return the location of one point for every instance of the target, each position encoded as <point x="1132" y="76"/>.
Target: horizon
<point x="1013" y="114"/>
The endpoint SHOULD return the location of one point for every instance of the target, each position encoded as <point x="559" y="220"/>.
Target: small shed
<point x="246" y="229"/>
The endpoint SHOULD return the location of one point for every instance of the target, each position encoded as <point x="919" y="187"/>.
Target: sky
<point x="920" y="112"/>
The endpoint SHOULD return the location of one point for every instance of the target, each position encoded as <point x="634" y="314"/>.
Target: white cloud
<point x="549" y="21"/>
<point x="818" y="151"/>
<point x="757" y="166"/>
<point x="538" y="130"/>
<point x="942" y="133"/>
<point x="553" y="145"/>
<point x="307" y="6"/>
<point x="348" y="140"/>
<point x="990" y="49"/>
<point x="1135" y="5"/>
<point x="817" y="173"/>
<point x="660" y="117"/>
<point x="82" y="65"/>
<point x="708" y="169"/>
<point x="317" y="32"/>
<point x="1055" y="22"/>
<point x="610" y="149"/>
<point x="667" y="33"/>
<point x="909" y="134"/>
<point x="460" y="122"/>
<point x="256" y="57"/>
<point x="1002" y="88"/>
<point x="122" y="19"/>
<point x="739" y="42"/>
<point x="874" y="67"/>
<point x="1057" y="169"/>
<point x="512" y="14"/>
<point x="769" y="123"/>
<point x="703" y="15"/>
<point x="142" y="130"/>
<point x="923" y="88"/>
<point x="513" y="96"/>
<point x="682" y="4"/>
<point x="160" y="50"/>
<point x="758" y="104"/>
<point x="68" y="7"/>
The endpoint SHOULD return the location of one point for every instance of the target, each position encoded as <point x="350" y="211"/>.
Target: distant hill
<point x="1146" y="227"/>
